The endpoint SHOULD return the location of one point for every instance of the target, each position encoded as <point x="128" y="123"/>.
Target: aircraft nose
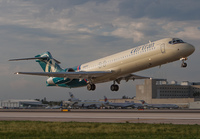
<point x="191" y="48"/>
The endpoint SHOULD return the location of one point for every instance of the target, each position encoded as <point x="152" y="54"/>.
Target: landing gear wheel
<point x="184" y="65"/>
<point x="91" y="87"/>
<point x="114" y="87"/>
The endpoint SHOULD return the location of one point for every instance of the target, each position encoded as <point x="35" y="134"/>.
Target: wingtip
<point x="16" y="73"/>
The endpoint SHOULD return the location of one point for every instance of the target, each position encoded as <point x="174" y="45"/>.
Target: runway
<point x="109" y="116"/>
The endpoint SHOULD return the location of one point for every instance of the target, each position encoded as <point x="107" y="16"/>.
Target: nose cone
<point x="192" y="48"/>
<point x="189" y="49"/>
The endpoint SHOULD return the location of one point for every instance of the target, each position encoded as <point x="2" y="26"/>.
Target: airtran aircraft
<point x="116" y="68"/>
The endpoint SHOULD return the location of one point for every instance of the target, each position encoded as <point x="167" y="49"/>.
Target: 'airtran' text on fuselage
<point x="143" y="48"/>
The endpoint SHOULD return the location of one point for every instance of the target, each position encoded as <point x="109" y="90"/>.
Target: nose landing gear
<point x="183" y="65"/>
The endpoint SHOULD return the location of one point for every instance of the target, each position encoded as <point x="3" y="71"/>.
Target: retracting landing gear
<point x="114" y="87"/>
<point x="183" y="65"/>
<point x="91" y="87"/>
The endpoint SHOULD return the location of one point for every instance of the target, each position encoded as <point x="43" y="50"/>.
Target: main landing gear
<point x="114" y="87"/>
<point x="92" y="87"/>
<point x="183" y="65"/>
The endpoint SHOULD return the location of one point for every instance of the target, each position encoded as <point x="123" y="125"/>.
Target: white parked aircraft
<point x="75" y="102"/>
<point x="122" y="105"/>
<point x="159" y="106"/>
<point x="114" y="68"/>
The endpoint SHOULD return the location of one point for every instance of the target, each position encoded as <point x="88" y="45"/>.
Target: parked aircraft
<point x="114" y="68"/>
<point x="75" y="102"/>
<point x="122" y="105"/>
<point x="159" y="106"/>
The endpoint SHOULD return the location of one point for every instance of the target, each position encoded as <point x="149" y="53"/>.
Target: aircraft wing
<point x="131" y="76"/>
<point x="71" y="75"/>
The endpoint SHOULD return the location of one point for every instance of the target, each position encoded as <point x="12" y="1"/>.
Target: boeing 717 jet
<point x="116" y="68"/>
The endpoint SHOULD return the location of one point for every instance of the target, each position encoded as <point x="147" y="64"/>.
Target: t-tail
<point x="46" y="61"/>
<point x="143" y="102"/>
<point x="73" y="99"/>
<point x="106" y="100"/>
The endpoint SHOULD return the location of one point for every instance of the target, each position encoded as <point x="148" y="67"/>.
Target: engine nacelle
<point x="50" y="81"/>
<point x="70" y="70"/>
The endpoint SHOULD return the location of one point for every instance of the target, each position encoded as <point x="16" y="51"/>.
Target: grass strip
<point x="37" y="129"/>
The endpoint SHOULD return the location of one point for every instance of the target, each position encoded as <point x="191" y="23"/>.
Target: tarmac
<point x="104" y="115"/>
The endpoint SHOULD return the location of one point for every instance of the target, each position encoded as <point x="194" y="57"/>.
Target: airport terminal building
<point x="160" y="91"/>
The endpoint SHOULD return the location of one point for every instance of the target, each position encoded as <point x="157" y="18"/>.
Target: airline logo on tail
<point x="49" y="64"/>
<point x="106" y="100"/>
<point x="143" y="102"/>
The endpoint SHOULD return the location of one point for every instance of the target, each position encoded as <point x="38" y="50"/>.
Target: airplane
<point x="75" y="102"/>
<point x="72" y="101"/>
<point x="122" y="105"/>
<point x="159" y="106"/>
<point x="116" y="67"/>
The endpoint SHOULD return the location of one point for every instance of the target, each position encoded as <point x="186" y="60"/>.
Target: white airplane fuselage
<point x="139" y="58"/>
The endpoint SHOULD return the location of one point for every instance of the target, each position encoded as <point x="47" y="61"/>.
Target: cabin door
<point x="162" y="48"/>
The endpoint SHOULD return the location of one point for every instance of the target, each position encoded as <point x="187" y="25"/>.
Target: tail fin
<point x="73" y="98"/>
<point x="143" y="102"/>
<point x="48" y="63"/>
<point x="105" y="99"/>
<point x="71" y="95"/>
<point x="106" y="102"/>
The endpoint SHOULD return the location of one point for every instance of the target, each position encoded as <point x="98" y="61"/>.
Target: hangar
<point x="26" y="103"/>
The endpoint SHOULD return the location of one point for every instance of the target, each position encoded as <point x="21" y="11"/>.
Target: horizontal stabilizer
<point x="32" y="58"/>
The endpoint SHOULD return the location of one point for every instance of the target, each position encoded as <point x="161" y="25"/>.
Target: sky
<point x="79" y="31"/>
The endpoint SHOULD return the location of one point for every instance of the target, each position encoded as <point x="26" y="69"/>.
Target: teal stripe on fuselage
<point x="58" y="80"/>
<point x="74" y="83"/>
<point x="62" y="82"/>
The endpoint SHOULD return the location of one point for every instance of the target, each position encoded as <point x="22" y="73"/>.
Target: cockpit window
<point x="176" y="41"/>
